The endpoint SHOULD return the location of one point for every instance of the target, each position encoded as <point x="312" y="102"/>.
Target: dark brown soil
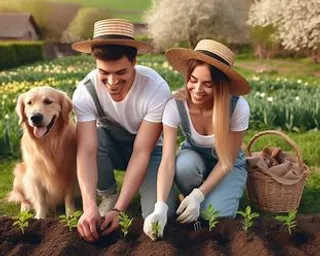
<point x="267" y="237"/>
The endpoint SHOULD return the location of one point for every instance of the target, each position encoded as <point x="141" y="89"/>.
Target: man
<point x="119" y="107"/>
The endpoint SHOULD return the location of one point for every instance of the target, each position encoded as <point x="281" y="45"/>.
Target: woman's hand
<point x="159" y="216"/>
<point x="189" y="209"/>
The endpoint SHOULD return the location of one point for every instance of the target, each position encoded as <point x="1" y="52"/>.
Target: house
<point x="18" y="26"/>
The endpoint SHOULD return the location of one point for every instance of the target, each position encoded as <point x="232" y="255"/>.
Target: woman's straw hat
<point x="112" y="32"/>
<point x="212" y="53"/>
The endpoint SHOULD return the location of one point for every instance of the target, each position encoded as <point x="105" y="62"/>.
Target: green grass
<point x="126" y="9"/>
<point x="293" y="68"/>
<point x="308" y="142"/>
<point x="6" y="169"/>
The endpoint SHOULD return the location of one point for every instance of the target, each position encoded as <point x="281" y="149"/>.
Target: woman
<point x="210" y="167"/>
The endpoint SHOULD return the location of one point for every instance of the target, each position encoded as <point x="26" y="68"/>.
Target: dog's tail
<point x="17" y="195"/>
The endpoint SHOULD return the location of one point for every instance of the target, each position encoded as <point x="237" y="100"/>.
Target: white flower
<point x="269" y="99"/>
<point x="299" y="81"/>
<point x="6" y="116"/>
<point x="297" y="98"/>
<point x="262" y="94"/>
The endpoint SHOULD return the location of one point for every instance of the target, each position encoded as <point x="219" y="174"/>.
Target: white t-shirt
<point x="145" y="100"/>
<point x="239" y="120"/>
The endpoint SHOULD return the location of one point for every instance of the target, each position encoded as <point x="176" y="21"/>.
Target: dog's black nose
<point x="36" y="118"/>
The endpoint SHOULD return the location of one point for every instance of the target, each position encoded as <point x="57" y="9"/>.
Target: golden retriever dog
<point x="47" y="175"/>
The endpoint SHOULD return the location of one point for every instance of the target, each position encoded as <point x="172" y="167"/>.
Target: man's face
<point x="117" y="76"/>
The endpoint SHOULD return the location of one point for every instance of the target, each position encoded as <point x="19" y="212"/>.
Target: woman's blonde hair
<point x="221" y="109"/>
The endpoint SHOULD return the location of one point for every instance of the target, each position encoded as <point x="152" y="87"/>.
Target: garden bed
<point x="267" y="237"/>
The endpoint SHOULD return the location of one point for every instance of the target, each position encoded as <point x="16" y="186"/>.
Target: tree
<point x="81" y="27"/>
<point x="171" y="22"/>
<point x="296" y="23"/>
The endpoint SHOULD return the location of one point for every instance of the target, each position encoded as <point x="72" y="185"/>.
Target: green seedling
<point x="248" y="217"/>
<point x="155" y="229"/>
<point x="70" y="221"/>
<point x="125" y="223"/>
<point x="289" y="220"/>
<point x="211" y="216"/>
<point x="22" y="220"/>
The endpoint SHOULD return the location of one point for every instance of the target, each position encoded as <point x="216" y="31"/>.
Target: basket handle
<point x="283" y="136"/>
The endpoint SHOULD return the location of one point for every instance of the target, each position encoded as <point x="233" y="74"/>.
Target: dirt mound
<point x="267" y="237"/>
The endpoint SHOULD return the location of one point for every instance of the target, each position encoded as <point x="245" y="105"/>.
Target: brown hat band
<point x="114" y="37"/>
<point x="214" y="56"/>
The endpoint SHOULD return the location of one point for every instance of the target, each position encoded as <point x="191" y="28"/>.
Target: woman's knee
<point x="189" y="163"/>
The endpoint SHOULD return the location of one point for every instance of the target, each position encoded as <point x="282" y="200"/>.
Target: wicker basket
<point x="266" y="193"/>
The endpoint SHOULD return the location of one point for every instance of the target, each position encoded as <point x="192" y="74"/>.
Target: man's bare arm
<point x="144" y="144"/>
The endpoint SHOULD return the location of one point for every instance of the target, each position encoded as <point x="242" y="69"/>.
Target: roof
<point x="13" y="25"/>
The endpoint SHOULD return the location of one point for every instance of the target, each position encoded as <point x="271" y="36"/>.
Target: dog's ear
<point x="66" y="107"/>
<point x="20" y="109"/>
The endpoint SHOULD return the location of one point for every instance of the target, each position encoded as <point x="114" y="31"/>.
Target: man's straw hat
<point x="212" y="53"/>
<point x="112" y="32"/>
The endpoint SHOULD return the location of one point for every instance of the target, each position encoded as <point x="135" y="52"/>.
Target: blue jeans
<point x="192" y="169"/>
<point x="114" y="152"/>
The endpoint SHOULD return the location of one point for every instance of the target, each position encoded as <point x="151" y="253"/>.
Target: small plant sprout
<point x="248" y="217"/>
<point x="155" y="229"/>
<point x="289" y="220"/>
<point x="70" y="221"/>
<point x="125" y="223"/>
<point x="211" y="216"/>
<point x="22" y="220"/>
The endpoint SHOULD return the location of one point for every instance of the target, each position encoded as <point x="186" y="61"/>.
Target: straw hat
<point x="111" y="31"/>
<point x="213" y="53"/>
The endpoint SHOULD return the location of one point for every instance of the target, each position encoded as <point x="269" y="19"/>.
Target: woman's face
<point x="200" y="85"/>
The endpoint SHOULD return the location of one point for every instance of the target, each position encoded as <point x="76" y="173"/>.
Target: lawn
<point x="309" y="143"/>
<point x="126" y="9"/>
<point x="294" y="68"/>
<point x="277" y="84"/>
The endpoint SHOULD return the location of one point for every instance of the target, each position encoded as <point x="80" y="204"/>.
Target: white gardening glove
<point x="189" y="209"/>
<point x="159" y="215"/>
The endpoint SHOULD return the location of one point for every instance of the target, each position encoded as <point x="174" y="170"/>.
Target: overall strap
<point x="91" y="89"/>
<point x="234" y="101"/>
<point x="103" y="118"/>
<point x="185" y="124"/>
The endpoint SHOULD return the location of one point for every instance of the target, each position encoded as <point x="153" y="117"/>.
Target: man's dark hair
<point x="113" y="52"/>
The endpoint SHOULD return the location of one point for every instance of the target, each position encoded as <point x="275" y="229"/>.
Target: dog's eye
<point x="29" y="102"/>
<point x="47" y="101"/>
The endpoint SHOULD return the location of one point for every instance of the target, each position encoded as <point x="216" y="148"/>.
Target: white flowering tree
<point x="173" y="21"/>
<point x="296" y="23"/>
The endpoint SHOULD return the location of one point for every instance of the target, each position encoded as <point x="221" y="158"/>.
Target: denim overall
<point x="115" y="145"/>
<point x="194" y="164"/>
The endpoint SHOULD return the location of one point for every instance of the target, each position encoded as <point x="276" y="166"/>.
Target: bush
<point x="81" y="27"/>
<point x="19" y="53"/>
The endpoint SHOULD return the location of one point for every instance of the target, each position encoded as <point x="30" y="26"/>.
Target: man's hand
<point x="189" y="209"/>
<point x="159" y="215"/>
<point x="87" y="225"/>
<point x="111" y="222"/>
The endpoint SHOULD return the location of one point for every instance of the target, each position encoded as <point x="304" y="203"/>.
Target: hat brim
<point x="85" y="46"/>
<point x="179" y="58"/>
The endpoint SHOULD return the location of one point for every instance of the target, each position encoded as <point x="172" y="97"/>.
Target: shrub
<point x="19" y="53"/>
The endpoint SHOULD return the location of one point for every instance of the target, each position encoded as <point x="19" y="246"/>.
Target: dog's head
<point x="42" y="108"/>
